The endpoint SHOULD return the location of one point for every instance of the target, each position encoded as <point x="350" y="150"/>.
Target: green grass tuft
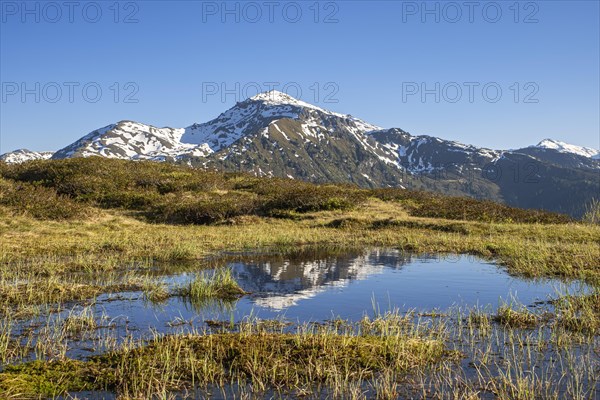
<point x="219" y="285"/>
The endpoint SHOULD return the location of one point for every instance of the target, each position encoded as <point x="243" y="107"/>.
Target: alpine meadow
<point x="189" y="211"/>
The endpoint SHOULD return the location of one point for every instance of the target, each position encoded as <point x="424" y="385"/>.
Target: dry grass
<point x="112" y="238"/>
<point x="516" y="316"/>
<point x="311" y="355"/>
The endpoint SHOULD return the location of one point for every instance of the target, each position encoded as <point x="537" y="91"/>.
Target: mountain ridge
<point x="274" y="134"/>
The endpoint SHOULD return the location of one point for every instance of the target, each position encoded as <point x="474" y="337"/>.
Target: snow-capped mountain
<point x="563" y="147"/>
<point x="136" y="141"/>
<point x="258" y="113"/>
<point x="563" y="154"/>
<point x="22" y="155"/>
<point x="277" y="122"/>
<point x="274" y="134"/>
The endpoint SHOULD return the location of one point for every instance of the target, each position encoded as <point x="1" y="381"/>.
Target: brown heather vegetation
<point x="162" y="192"/>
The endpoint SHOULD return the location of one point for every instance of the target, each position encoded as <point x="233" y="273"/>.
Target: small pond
<point x="318" y="288"/>
<point x="311" y="290"/>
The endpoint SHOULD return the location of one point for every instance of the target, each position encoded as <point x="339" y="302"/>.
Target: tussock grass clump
<point x="516" y="317"/>
<point x="579" y="313"/>
<point x="154" y="292"/>
<point x="313" y="355"/>
<point x="386" y="324"/>
<point x="78" y="322"/>
<point x="7" y="344"/>
<point x="592" y="212"/>
<point x="219" y="285"/>
<point x="479" y="320"/>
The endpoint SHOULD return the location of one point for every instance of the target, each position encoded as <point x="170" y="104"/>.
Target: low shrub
<point x="304" y="197"/>
<point x="39" y="202"/>
<point x="345" y="223"/>
<point x="205" y="209"/>
<point x="130" y="200"/>
<point x="431" y="205"/>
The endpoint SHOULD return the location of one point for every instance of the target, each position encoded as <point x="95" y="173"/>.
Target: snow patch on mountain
<point x="568" y="148"/>
<point x="23" y="155"/>
<point x="427" y="154"/>
<point x="276" y="99"/>
<point x="135" y="141"/>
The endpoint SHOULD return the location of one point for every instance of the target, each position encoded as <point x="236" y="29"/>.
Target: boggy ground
<point x="513" y="355"/>
<point x="54" y="252"/>
<point x="62" y="222"/>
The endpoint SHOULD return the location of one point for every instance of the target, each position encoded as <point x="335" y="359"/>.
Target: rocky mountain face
<point x="273" y="134"/>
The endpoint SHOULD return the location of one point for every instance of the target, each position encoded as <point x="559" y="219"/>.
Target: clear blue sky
<point x="375" y="54"/>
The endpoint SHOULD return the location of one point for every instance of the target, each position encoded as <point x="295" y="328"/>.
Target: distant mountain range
<point x="274" y="134"/>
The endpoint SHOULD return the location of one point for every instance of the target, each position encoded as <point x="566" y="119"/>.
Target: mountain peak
<point x="550" y="143"/>
<point x="274" y="96"/>
<point x="563" y="147"/>
<point x="277" y="98"/>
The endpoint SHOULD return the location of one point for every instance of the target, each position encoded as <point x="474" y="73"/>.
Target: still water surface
<point x="348" y="286"/>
